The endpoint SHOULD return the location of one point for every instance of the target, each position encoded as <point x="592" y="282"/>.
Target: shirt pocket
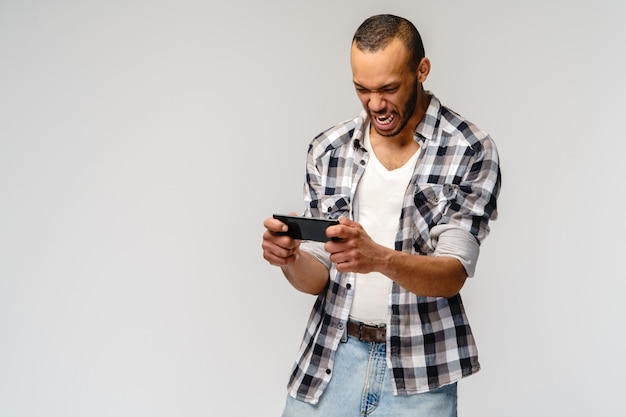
<point x="432" y="201"/>
<point x="335" y="206"/>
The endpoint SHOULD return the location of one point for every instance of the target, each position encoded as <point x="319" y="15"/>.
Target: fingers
<point x="274" y="225"/>
<point x="278" y="249"/>
<point x="346" y="229"/>
<point x="347" y="222"/>
<point x="352" y="259"/>
<point x="348" y="261"/>
<point x="278" y="256"/>
<point x="350" y="247"/>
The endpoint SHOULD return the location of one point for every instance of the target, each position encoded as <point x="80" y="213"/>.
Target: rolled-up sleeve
<point x="457" y="243"/>
<point x="317" y="250"/>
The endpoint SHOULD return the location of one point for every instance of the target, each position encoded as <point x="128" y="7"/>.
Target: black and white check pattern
<point x="456" y="182"/>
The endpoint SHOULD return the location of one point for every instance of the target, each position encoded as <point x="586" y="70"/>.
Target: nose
<point x="376" y="102"/>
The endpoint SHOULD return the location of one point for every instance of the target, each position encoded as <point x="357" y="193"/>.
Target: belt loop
<point x="344" y="336"/>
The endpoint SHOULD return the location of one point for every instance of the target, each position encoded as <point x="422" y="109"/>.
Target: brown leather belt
<point x="367" y="332"/>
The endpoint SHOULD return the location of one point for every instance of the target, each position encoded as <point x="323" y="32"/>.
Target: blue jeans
<point x="362" y="385"/>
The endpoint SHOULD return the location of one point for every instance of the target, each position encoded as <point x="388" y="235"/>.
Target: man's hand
<point x="301" y="269"/>
<point x="352" y="249"/>
<point x="278" y="249"/>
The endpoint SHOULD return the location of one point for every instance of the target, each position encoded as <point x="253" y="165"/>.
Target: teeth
<point x="385" y="119"/>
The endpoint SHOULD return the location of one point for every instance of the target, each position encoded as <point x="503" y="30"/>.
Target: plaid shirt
<point x="455" y="183"/>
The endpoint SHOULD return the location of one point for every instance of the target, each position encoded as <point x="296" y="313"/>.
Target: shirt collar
<point x="426" y="128"/>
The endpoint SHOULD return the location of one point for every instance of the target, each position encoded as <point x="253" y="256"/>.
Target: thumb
<point x="347" y="222"/>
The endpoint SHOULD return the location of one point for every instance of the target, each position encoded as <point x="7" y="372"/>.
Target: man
<point x="414" y="186"/>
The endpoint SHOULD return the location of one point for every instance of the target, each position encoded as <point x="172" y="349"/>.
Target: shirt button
<point x="328" y="371"/>
<point x="340" y="326"/>
<point x="362" y="162"/>
<point x="348" y="286"/>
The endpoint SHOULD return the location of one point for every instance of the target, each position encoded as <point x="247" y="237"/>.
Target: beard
<point x="407" y="112"/>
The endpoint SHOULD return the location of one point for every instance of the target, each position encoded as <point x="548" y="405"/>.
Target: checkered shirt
<point x="455" y="183"/>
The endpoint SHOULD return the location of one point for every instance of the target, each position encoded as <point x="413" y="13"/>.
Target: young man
<point x="414" y="186"/>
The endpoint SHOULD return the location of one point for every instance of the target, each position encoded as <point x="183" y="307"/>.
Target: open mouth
<point x="385" y="119"/>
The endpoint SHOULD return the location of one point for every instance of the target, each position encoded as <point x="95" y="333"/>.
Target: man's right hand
<point x="301" y="269"/>
<point x="278" y="249"/>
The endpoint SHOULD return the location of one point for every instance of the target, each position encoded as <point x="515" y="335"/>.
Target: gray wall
<point x="142" y="144"/>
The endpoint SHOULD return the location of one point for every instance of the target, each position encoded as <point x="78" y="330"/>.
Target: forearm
<point x="428" y="276"/>
<point x="306" y="273"/>
<point x="353" y="250"/>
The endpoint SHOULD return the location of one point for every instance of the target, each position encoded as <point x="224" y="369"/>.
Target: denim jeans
<point x="361" y="385"/>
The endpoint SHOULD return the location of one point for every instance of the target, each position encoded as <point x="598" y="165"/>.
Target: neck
<point x="423" y="101"/>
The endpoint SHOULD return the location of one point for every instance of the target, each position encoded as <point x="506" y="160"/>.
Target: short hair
<point x="376" y="32"/>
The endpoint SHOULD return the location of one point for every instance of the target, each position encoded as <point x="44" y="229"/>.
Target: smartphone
<point x="306" y="228"/>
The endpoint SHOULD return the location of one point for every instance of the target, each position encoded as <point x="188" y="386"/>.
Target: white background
<point x="142" y="143"/>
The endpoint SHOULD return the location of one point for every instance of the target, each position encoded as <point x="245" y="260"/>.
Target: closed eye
<point x="390" y="90"/>
<point x="386" y="89"/>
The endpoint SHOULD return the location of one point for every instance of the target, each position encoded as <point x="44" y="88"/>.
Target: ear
<point x="423" y="69"/>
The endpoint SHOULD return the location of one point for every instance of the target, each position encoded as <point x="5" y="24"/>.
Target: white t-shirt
<point x="379" y="196"/>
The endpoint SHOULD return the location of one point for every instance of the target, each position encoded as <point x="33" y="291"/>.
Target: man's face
<point x="386" y="86"/>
